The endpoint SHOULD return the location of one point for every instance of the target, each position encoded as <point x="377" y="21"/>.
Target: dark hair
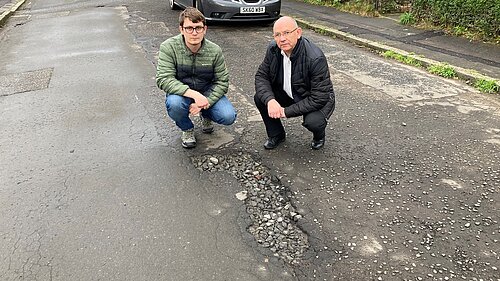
<point x="193" y="15"/>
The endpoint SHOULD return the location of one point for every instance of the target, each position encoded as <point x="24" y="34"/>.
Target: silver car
<point x="233" y="10"/>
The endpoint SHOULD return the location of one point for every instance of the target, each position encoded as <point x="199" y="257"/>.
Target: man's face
<point x="286" y="34"/>
<point x="193" y="32"/>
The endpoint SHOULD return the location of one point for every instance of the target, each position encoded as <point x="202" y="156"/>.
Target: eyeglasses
<point x="284" y="33"/>
<point x="190" y="29"/>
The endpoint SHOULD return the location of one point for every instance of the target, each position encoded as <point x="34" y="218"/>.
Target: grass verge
<point x="444" y="70"/>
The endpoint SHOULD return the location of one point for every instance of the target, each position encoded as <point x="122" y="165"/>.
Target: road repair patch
<point x="16" y="83"/>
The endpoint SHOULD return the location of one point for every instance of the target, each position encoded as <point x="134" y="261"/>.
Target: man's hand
<point x="199" y="100"/>
<point x="194" y="109"/>
<point x="275" y="110"/>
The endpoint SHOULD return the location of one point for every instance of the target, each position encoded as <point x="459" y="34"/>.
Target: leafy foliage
<point x="487" y="86"/>
<point x="481" y="16"/>
<point x="475" y="19"/>
<point x="407" y="18"/>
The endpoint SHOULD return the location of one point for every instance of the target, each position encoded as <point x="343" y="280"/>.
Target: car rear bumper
<point x="229" y="10"/>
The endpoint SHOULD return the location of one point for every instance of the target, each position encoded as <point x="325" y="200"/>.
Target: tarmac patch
<point x="217" y="139"/>
<point x="153" y="29"/>
<point x="459" y="105"/>
<point x="51" y="15"/>
<point x="23" y="82"/>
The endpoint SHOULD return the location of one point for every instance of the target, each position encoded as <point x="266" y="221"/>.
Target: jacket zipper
<point x="193" y="69"/>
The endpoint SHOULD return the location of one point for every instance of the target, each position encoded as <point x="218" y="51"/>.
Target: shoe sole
<point x="189" y="145"/>
<point x="208" y="131"/>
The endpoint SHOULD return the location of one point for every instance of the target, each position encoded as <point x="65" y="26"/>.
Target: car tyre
<point x="172" y="5"/>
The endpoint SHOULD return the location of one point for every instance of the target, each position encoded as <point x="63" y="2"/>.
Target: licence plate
<point x="252" y="10"/>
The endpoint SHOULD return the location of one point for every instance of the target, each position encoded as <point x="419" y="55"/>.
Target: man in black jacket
<point x="293" y="80"/>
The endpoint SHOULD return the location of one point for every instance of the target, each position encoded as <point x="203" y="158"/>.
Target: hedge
<point x="475" y="15"/>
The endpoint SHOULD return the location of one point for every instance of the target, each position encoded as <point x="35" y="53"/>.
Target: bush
<point x="367" y="7"/>
<point x="477" y="19"/>
<point x="481" y="16"/>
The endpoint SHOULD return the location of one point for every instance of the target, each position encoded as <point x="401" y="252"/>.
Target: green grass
<point x="316" y="2"/>
<point x="487" y="86"/>
<point x="443" y="70"/>
<point x="402" y="58"/>
<point x="459" y="31"/>
<point x="407" y="19"/>
<point x="321" y="31"/>
<point x="446" y="71"/>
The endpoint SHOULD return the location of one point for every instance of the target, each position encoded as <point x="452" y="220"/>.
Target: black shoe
<point x="317" y="144"/>
<point x="273" y="142"/>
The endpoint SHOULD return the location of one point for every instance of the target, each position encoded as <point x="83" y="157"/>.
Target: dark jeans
<point x="222" y="112"/>
<point x="314" y="121"/>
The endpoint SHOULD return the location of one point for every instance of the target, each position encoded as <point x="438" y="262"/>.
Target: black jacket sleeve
<point x="263" y="83"/>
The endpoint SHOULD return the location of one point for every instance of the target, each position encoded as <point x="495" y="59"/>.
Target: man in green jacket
<point x="192" y="72"/>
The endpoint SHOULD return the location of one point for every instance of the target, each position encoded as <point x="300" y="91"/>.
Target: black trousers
<point x="314" y="121"/>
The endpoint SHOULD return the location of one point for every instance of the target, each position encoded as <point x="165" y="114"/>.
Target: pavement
<point x="8" y="8"/>
<point x="472" y="60"/>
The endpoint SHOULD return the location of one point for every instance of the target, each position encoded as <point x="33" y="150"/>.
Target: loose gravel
<point x="274" y="218"/>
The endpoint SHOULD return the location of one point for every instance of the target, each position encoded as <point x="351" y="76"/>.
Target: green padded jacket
<point x="179" y="69"/>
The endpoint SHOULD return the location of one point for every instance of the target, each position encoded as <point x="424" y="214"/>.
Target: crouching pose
<point x="192" y="72"/>
<point x="293" y="80"/>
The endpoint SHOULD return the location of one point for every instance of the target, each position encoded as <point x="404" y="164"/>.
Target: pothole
<point x="268" y="204"/>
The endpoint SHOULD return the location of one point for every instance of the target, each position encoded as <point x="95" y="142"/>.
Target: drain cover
<point x="16" y="83"/>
